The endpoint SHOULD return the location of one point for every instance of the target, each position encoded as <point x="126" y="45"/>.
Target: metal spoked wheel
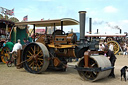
<point x="116" y="46"/>
<point x="88" y="75"/>
<point x="95" y="62"/>
<point x="36" y="57"/>
<point x="5" y="54"/>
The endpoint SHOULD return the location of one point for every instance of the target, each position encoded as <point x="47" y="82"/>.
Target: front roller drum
<point x="35" y="57"/>
<point x="95" y="62"/>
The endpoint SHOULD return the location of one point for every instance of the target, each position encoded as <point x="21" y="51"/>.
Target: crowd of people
<point x="13" y="48"/>
<point x="109" y="53"/>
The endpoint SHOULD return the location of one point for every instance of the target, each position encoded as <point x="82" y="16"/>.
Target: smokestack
<point x="120" y="31"/>
<point x="97" y="31"/>
<point x="82" y="25"/>
<point x="90" y="25"/>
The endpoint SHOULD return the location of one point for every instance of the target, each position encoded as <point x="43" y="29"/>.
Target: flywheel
<point x="36" y="57"/>
<point x="116" y="46"/>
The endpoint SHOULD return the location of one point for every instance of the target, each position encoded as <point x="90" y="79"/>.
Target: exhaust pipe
<point x="97" y="31"/>
<point x="90" y="25"/>
<point x="82" y="15"/>
<point x="120" y="31"/>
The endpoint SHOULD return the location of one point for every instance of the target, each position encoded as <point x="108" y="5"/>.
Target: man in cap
<point x="111" y="56"/>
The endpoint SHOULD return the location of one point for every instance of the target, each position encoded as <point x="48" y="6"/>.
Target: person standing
<point x="16" y="47"/>
<point x="125" y="50"/>
<point x="111" y="46"/>
<point x="29" y="38"/>
<point x="25" y="41"/>
<point x="105" y="45"/>
<point x="111" y="56"/>
<point x="9" y="44"/>
<point x="101" y="47"/>
<point x="4" y="44"/>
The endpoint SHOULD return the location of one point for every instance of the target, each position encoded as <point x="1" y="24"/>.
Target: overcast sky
<point x="107" y="15"/>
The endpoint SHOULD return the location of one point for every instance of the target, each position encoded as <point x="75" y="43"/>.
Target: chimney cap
<point x="82" y="12"/>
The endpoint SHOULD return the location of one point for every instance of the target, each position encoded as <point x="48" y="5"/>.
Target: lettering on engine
<point x="59" y="39"/>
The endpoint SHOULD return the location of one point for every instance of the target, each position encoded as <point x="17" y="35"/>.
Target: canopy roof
<point x="105" y="35"/>
<point x="45" y="23"/>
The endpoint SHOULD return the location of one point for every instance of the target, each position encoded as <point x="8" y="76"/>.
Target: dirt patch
<point x="13" y="76"/>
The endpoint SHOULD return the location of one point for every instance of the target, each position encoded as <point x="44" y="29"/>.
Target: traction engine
<point x="52" y="50"/>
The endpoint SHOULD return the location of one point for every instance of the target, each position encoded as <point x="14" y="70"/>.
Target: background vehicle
<point x="9" y="31"/>
<point x="5" y="32"/>
<point x="117" y="40"/>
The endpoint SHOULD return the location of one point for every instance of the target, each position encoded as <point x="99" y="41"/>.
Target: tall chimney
<point x="120" y="31"/>
<point x="90" y="25"/>
<point x="82" y="15"/>
<point x="97" y="31"/>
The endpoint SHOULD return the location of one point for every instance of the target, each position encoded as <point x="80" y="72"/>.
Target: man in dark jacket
<point x="111" y="56"/>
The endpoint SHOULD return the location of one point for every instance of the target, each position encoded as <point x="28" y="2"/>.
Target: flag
<point x="6" y="12"/>
<point x="9" y="12"/>
<point x="12" y="12"/>
<point x="25" y="18"/>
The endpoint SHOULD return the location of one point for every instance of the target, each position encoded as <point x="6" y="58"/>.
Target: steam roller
<point x="93" y="67"/>
<point x="51" y="51"/>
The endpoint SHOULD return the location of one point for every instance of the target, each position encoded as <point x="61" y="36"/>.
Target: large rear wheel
<point x="36" y="57"/>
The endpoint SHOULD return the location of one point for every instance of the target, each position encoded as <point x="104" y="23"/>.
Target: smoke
<point x="101" y="22"/>
<point x="113" y="27"/>
<point x="97" y="21"/>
